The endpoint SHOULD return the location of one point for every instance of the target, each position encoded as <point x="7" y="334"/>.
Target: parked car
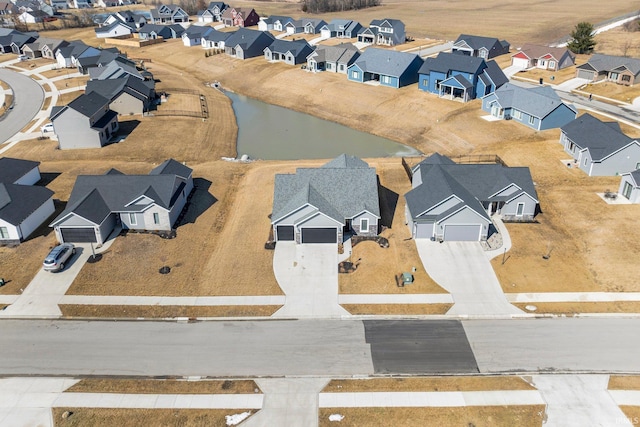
<point x="58" y="256"/>
<point x="47" y="128"/>
<point x="23" y="57"/>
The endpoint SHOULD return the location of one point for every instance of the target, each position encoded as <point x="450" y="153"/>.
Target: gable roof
<point x="217" y="36"/>
<point x="477" y="42"/>
<point x="17" y="202"/>
<point x="340" y="189"/>
<point x="495" y="73"/>
<point x="88" y="104"/>
<point x="12" y="169"/>
<point x="342" y="52"/>
<point x="635" y="176"/>
<point x="537" y="101"/>
<point x="172" y="167"/>
<point x="447" y="61"/>
<point x="244" y="37"/>
<point x="111" y="88"/>
<point x="599" y="62"/>
<point x="384" y="61"/>
<point x="600" y="138"/>
<point x="538" y="51"/>
<point x="293" y="46"/>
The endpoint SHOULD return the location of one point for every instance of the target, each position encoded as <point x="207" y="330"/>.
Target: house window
<point x="132" y="219"/>
<point x="517" y="114"/>
<point x="613" y="76"/>
<point x="585" y="161"/>
<point x="572" y="147"/>
<point x="156" y="218"/>
<point x="531" y="120"/>
<point x="425" y="82"/>
<point x="354" y="75"/>
<point x="341" y="67"/>
<point x="4" y="233"/>
<point x="364" y="225"/>
<point x="552" y="65"/>
<point x="385" y="79"/>
<point x="483" y="54"/>
<point x="520" y="209"/>
<point x="637" y="166"/>
<point x="626" y="78"/>
<point x="626" y="191"/>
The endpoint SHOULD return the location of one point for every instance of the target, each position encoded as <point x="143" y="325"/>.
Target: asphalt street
<point x="327" y="348"/>
<point x="28" y="98"/>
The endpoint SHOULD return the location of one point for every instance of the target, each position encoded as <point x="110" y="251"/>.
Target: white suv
<point x="47" y="128"/>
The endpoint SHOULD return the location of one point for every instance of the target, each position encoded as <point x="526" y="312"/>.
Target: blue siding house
<point x="539" y="108"/>
<point x="462" y="77"/>
<point x="388" y="67"/>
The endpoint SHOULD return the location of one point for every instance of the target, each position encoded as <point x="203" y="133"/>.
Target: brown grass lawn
<point x="8" y="100"/>
<point x="65" y="98"/>
<point x="7" y="57"/>
<point x="111" y="385"/>
<point x="99" y="417"/>
<point x="71" y="82"/>
<point x="457" y="383"/>
<point x="181" y="102"/>
<point x="613" y="90"/>
<point x="46" y="103"/>
<point x="572" y="308"/>
<point x="477" y="416"/>
<point x="624" y="382"/>
<point x="397" y="309"/>
<point x="33" y="63"/>
<point x="57" y="72"/>
<point x="559" y="76"/>
<point x="618" y="41"/>
<point x="632" y="413"/>
<point x="169" y="311"/>
<point x="4" y="85"/>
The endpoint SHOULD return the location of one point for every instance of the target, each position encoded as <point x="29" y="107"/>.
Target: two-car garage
<point x="308" y="234"/>
<point x="78" y="235"/>
<point x="462" y="233"/>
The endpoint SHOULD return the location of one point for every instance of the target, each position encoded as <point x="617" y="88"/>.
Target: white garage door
<point x="462" y="233"/>
<point x="520" y="63"/>
<point x="586" y="74"/>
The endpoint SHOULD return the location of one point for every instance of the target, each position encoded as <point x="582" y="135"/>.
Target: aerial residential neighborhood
<point x="319" y="213"/>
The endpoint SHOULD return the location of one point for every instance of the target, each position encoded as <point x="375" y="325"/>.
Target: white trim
<point x="133" y="220"/>
<point x="444" y="229"/>
<point x="313" y="215"/>
<point x="361" y="226"/>
<point x="520" y="194"/>
<point x="518" y="208"/>
<point x="464" y="206"/>
<point x="502" y="189"/>
<point x="439" y="203"/>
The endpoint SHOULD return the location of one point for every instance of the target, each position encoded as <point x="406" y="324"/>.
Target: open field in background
<point x="153" y="386"/>
<point x="477" y="416"/>
<point x="426" y="384"/>
<point x="98" y="417"/>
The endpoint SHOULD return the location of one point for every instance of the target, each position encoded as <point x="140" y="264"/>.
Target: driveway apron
<point x="308" y="275"/>
<point x="463" y="269"/>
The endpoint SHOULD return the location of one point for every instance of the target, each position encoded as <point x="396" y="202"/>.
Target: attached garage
<point x="462" y="233"/>
<point x="78" y="235"/>
<point x="285" y="232"/>
<point x="319" y="235"/>
<point x="586" y="74"/>
<point x="520" y="62"/>
<point x="423" y="231"/>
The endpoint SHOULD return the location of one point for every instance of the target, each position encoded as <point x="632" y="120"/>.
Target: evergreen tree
<point x="582" y="38"/>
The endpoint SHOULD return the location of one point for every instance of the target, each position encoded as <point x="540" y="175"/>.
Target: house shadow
<point x="127" y="127"/>
<point x="47" y="178"/>
<point x="199" y="201"/>
<point x="388" y="204"/>
<point x="44" y="230"/>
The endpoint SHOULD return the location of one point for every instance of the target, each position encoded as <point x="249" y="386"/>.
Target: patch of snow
<point x="236" y="419"/>
<point x="336" y="417"/>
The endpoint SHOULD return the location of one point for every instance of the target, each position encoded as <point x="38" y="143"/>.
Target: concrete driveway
<point x="571" y="84"/>
<point x="464" y="270"/>
<point x="308" y="275"/>
<point x="28" y="98"/>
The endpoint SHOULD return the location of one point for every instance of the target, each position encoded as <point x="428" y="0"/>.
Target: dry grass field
<point x="170" y="386"/>
<point x="477" y="416"/>
<point x="427" y="384"/>
<point x="612" y="90"/>
<point x="624" y="382"/>
<point x="165" y="311"/>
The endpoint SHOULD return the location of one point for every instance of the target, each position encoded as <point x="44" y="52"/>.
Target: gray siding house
<point x="600" y="148"/>
<point x="137" y="202"/>
<point x="23" y="205"/>
<point x="630" y="186"/>
<point x="618" y="69"/>
<point x="319" y="205"/>
<point x="290" y="52"/>
<point x="126" y="95"/>
<point x="454" y="202"/>
<point x="482" y="47"/>
<point x="384" y="32"/>
<point x="341" y="28"/>
<point x="246" y="43"/>
<point x="86" y="122"/>
<point x="335" y="59"/>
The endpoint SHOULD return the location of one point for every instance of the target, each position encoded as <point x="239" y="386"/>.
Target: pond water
<point x="270" y="132"/>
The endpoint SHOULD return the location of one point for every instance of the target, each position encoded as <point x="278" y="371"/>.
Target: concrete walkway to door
<point x="308" y="275"/>
<point x="464" y="270"/>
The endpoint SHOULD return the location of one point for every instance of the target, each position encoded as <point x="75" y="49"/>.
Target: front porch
<point x="456" y="88"/>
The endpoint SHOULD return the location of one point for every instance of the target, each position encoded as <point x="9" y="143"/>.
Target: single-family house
<point x="461" y="77"/>
<point x="600" y="148"/>
<point x="128" y="17"/>
<point x="312" y="25"/>
<point x="33" y="16"/>
<point x="294" y="27"/>
<point x="88" y="64"/>
<point x="60" y="4"/>
<point x="388" y="67"/>
<point x="246" y="43"/>
<point x="86" y="122"/>
<point x="168" y="14"/>
<point x="630" y="186"/>
<point x="68" y="56"/>
<point x="215" y="39"/>
<point x="115" y="69"/>
<point x="233" y="17"/>
<point x="539" y="108"/>
<point x="482" y="47"/>
<point x="23" y="205"/>
<point x="81" y="4"/>
<point x="291" y="52"/>
<point x="543" y="57"/>
<point x="341" y="28"/>
<point x="336" y="59"/>
<point x="115" y="29"/>
<point x="18" y="41"/>
<point x="50" y="48"/>
<point x="155" y="31"/>
<point x="386" y="32"/>
<point x="126" y="95"/>
<point x="213" y="13"/>
<point x="42" y="47"/>
<point x="455" y="202"/>
<point x="194" y="34"/>
<point x="618" y="69"/>
<point x="136" y="202"/>
<point x="320" y="205"/>
<point x="274" y="22"/>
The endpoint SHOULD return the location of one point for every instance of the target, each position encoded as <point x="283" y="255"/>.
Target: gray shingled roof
<point x="600" y="62"/>
<point x="537" y="101"/>
<point x="385" y="61"/>
<point x="95" y="196"/>
<point x="89" y="104"/>
<point x="477" y="42"/>
<point x="538" y="51"/>
<point x="635" y="175"/>
<point x="110" y="88"/>
<point x="293" y="46"/>
<point x="12" y="169"/>
<point x="342" y="52"/>
<point x="217" y="36"/>
<point x="172" y="167"/>
<point x="340" y="189"/>
<point x="17" y="202"/>
<point x="245" y="37"/>
<point x="496" y="74"/>
<point x="447" y="61"/>
<point x="600" y="138"/>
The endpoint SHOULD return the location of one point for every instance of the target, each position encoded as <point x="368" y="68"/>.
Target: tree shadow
<point x="199" y="201"/>
<point x="388" y="204"/>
